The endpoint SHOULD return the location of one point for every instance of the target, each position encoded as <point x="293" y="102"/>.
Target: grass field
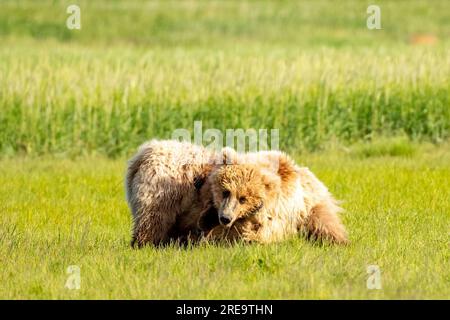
<point x="314" y="70"/>
<point x="59" y="212"/>
<point x="367" y="111"/>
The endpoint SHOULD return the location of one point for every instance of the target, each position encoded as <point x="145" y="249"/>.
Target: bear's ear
<point x="286" y="168"/>
<point x="229" y="156"/>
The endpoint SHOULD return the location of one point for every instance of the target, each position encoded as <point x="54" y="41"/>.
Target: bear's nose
<point x="224" y="220"/>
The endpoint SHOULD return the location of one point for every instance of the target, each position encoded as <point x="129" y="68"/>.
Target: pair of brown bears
<point x="178" y="191"/>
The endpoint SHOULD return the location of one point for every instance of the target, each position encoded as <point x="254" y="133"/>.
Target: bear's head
<point x="240" y="189"/>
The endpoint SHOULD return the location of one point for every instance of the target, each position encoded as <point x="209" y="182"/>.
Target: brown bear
<point x="265" y="197"/>
<point x="179" y="191"/>
<point x="164" y="187"/>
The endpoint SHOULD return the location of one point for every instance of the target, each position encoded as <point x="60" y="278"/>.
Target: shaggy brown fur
<point x="280" y="200"/>
<point x="176" y="189"/>
<point x="162" y="187"/>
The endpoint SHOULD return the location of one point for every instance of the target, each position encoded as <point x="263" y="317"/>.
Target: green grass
<point x="382" y="146"/>
<point x="83" y="101"/>
<point x="58" y="212"/>
<point x="75" y="103"/>
<point x="217" y="23"/>
<point x="311" y="69"/>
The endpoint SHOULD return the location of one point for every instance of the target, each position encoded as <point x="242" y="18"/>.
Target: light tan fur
<point x="281" y="199"/>
<point x="293" y="201"/>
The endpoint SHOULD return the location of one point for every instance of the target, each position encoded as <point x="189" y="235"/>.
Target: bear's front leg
<point x="152" y="226"/>
<point x="245" y="230"/>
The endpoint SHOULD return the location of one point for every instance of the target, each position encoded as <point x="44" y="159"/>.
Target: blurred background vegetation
<point x="206" y="23"/>
<point x="140" y="69"/>
<point x="376" y="101"/>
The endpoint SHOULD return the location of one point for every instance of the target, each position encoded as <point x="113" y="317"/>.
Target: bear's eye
<point x="226" y="194"/>
<point x="242" y="200"/>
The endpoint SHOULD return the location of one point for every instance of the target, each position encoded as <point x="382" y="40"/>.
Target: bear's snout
<point x="224" y="220"/>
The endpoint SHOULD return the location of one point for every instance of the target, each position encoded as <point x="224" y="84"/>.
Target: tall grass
<point x="68" y="100"/>
<point x="138" y="70"/>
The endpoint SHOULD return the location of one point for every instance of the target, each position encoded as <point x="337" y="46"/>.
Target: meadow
<point x="367" y="110"/>
<point x="61" y="212"/>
